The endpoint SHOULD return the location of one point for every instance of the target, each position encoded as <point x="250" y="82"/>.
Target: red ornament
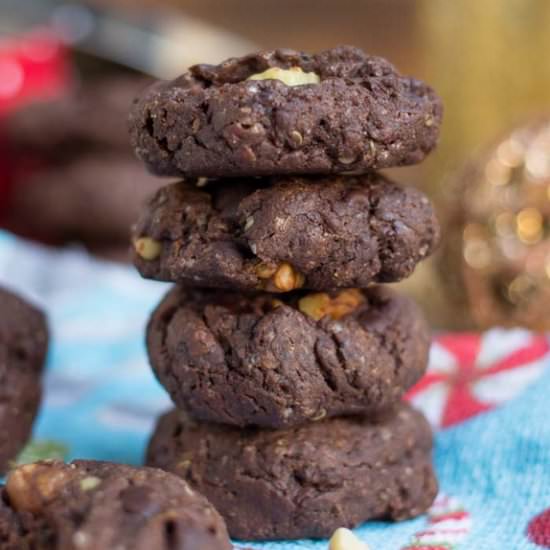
<point x="538" y="529"/>
<point x="33" y="66"/>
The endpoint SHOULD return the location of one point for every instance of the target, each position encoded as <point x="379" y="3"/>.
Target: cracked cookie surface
<point x="279" y="234"/>
<point x="349" y="112"/>
<point x="23" y="345"/>
<point x="92" y="505"/>
<point x="255" y="360"/>
<point x="307" y="481"/>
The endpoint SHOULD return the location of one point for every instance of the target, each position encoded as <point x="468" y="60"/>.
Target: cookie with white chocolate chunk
<point x="286" y="112"/>
<point x="280" y="234"/>
<point x="307" y="481"/>
<point x="89" y="505"/>
<point x="257" y="360"/>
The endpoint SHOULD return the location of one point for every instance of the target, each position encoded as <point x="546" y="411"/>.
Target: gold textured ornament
<point x="502" y="231"/>
<point x="481" y="56"/>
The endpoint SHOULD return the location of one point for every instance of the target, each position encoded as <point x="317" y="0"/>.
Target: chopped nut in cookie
<point x="286" y="278"/>
<point x="147" y="248"/>
<point x="320" y="304"/>
<point x="30" y="486"/>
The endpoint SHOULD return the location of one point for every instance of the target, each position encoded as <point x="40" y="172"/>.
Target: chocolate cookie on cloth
<point x="285" y="233"/>
<point x="303" y="482"/>
<point x="89" y="505"/>
<point x="23" y="345"/>
<point x="286" y="112"/>
<point x="252" y="360"/>
<point x="11" y="532"/>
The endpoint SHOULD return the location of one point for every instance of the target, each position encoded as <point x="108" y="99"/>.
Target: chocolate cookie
<point x="285" y="233"/>
<point x="23" y="344"/>
<point x="88" y="505"/>
<point x="92" y="199"/>
<point x="286" y="112"/>
<point x="252" y="360"/>
<point x="303" y="482"/>
<point x="90" y="118"/>
<point x="11" y="532"/>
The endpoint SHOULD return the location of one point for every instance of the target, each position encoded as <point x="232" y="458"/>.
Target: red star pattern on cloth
<point x="448" y="524"/>
<point x="472" y="373"/>
<point x="538" y="529"/>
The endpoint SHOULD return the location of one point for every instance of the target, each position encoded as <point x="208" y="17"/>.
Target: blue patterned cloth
<point x="101" y="401"/>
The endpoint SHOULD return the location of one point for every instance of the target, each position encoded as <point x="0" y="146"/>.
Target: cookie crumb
<point x="344" y="539"/>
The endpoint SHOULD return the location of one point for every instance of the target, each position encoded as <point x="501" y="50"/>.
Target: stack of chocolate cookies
<point x="286" y="363"/>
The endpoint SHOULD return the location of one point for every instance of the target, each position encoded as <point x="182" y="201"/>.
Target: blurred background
<point x="69" y="70"/>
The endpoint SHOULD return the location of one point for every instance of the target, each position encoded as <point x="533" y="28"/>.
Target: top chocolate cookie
<point x="286" y="112"/>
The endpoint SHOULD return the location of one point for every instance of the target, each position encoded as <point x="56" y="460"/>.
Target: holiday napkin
<point x="487" y="396"/>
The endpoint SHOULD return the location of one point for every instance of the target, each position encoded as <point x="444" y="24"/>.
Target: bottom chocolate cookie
<point x="89" y="505"/>
<point x="303" y="482"/>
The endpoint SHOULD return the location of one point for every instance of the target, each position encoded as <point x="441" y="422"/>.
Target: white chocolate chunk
<point x="291" y="77"/>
